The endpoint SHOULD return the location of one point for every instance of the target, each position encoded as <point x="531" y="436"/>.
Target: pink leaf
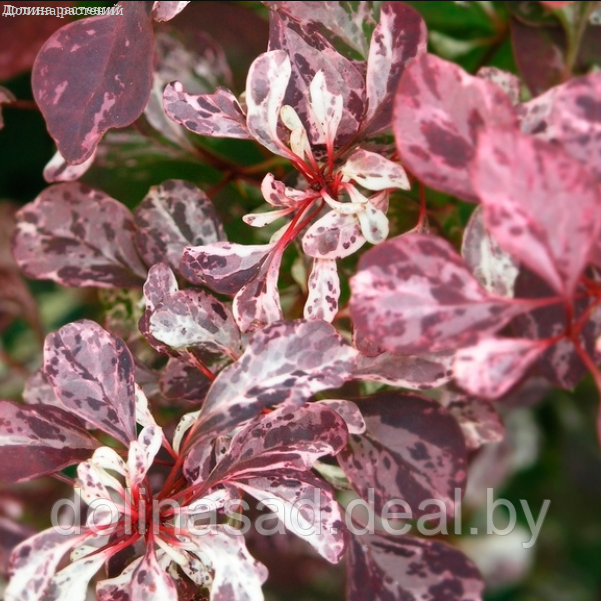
<point x="349" y="412"/>
<point x="393" y="567"/>
<point x="439" y="110"/>
<point x="413" y="449"/>
<point x="39" y="440"/>
<point x="78" y="236"/>
<point x="528" y="187"/>
<point x="92" y="75"/>
<point x="58" y="170"/>
<point x="172" y="216"/>
<point x="413" y="294"/>
<point x="333" y="236"/>
<point x="92" y="373"/>
<point x="324" y="291"/>
<point x="160" y="283"/>
<point x="374" y="172"/>
<point x="150" y="582"/>
<point x="508" y="82"/>
<point x="165" y="11"/>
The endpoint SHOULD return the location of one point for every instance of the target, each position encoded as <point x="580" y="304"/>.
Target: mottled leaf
<point x="412" y="449"/>
<point x="78" y="236"/>
<point x="92" y="373"/>
<point x="349" y="412"/>
<point x="323" y="291"/>
<point x="160" y="283"/>
<point x="58" y="170"/>
<point x="527" y="187"/>
<point x="374" y="172"/>
<point x="508" y="82"/>
<point x="409" y="568"/>
<point x="172" y="216"/>
<point x="165" y="11"/>
<point x="39" y="440"/>
<point x="92" y="75"/>
<point x="413" y="294"/>
<point x="439" y="110"/>
<point x="150" y="582"/>
<point x="333" y="236"/>
<point x="182" y="384"/>
<point x="490" y="264"/>
<point x="72" y="582"/>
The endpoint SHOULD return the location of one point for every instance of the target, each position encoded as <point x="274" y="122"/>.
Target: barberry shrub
<point x="283" y="325"/>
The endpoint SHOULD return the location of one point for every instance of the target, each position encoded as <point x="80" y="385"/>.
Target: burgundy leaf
<point x="92" y="374"/>
<point x="286" y="362"/>
<point x="492" y="366"/>
<point x="439" y="110"/>
<point x="490" y="264"/>
<point x="224" y="267"/>
<point x="78" y="236"/>
<point x="413" y="294"/>
<point x="182" y="384"/>
<point x="165" y="11"/>
<point x="217" y="114"/>
<point x="40" y="440"/>
<point x="11" y="534"/>
<point x="195" y="319"/>
<point x="417" y="372"/>
<point x="349" y="412"/>
<point x="399" y="36"/>
<point x="6" y="97"/>
<point x="528" y="187"/>
<point x="409" y="568"/>
<point x="92" y="75"/>
<point x="172" y="216"/>
<point x="413" y="449"/>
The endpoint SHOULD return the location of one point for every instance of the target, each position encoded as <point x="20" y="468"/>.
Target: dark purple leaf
<point x="78" y="236"/>
<point x="11" y="534"/>
<point x="92" y="374"/>
<point x="383" y="568"/>
<point x="165" y="11"/>
<point x="92" y="75"/>
<point x="439" y="110"/>
<point x="6" y="97"/>
<point x="182" y="384"/>
<point x="413" y="449"/>
<point x="349" y="412"/>
<point x="40" y="440"/>
<point x="527" y="187"/>
<point x="414" y="294"/>
<point x="399" y="37"/>
<point x="172" y="216"/>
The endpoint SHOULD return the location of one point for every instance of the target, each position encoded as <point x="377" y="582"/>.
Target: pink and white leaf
<point x="39" y="439"/>
<point x="324" y="291"/>
<point x="218" y="114"/>
<point x="413" y="294"/>
<point x="93" y="482"/>
<point x="265" y="218"/>
<point x="277" y="194"/>
<point x="225" y="267"/>
<point x="171" y="217"/>
<point x="374" y="224"/>
<point x="161" y="282"/>
<point x="439" y="110"/>
<point x="150" y="582"/>
<point x="507" y="81"/>
<point x="333" y="236"/>
<point x="327" y="107"/>
<point x="527" y="187"/>
<point x="78" y="236"/>
<point x="165" y="11"/>
<point x="413" y="449"/>
<point x="349" y="412"/>
<point x="394" y="567"/>
<point x="374" y="172"/>
<point x="58" y="170"/>
<point x="491" y="367"/>
<point x="92" y="373"/>
<point x="142" y="453"/>
<point x="118" y="587"/>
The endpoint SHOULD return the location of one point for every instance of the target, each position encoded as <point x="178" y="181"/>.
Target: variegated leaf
<point x="92" y="373"/>
<point x="277" y="194"/>
<point x="324" y="290"/>
<point x="491" y="265"/>
<point x="183" y="385"/>
<point x="224" y="267"/>
<point x="286" y="362"/>
<point x="418" y="372"/>
<point x="333" y="236"/>
<point x="439" y="110"/>
<point x="92" y="75"/>
<point x="78" y="236"/>
<point x="142" y="453"/>
<point x="172" y="216"/>
<point x="399" y="37"/>
<point x="412" y="449"/>
<point x="165" y="11"/>
<point x="414" y="294"/>
<point x="409" y="568"/>
<point x="528" y="187"/>
<point x="349" y="412"/>
<point x="150" y="582"/>
<point x="58" y="170"/>
<point x="374" y="172"/>
<point x="39" y="440"/>
<point x="160" y="283"/>
<point x="508" y="82"/>
<point x="217" y="114"/>
<point x="195" y="319"/>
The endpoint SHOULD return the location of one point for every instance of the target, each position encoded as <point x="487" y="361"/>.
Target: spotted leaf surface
<point x="374" y="172"/>
<point x="508" y="82"/>
<point x="160" y="283"/>
<point x="409" y="568"/>
<point x="163" y="10"/>
<point x="225" y="267"/>
<point x="150" y="582"/>
<point x="39" y="440"/>
<point x="333" y="236"/>
<point x="183" y="385"/>
<point x="412" y="449"/>
<point x="218" y="114"/>
<point x="92" y="75"/>
<point x="399" y="37"/>
<point x="324" y="291"/>
<point x="58" y="170"/>
<point x="194" y="318"/>
<point x="92" y="373"/>
<point x="414" y="294"/>
<point x="439" y="110"/>
<point x="172" y="216"/>
<point x="527" y="187"/>
<point x="417" y="372"/>
<point x="304" y="357"/>
<point x="78" y="236"/>
<point x="491" y="265"/>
